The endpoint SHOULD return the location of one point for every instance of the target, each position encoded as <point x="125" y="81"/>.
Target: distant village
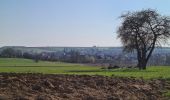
<point x="99" y="56"/>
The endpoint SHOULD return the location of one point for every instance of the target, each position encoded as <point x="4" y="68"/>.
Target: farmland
<point x="15" y="65"/>
<point x="27" y="79"/>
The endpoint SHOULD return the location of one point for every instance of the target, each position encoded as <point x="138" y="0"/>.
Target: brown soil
<point x="74" y="87"/>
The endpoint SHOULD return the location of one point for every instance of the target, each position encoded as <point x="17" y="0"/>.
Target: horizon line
<point x="75" y="46"/>
<point x="59" y="46"/>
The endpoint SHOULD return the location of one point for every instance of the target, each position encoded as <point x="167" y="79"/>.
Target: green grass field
<point x="15" y="65"/>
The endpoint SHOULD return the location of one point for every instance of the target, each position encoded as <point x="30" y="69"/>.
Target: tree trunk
<point x="142" y="64"/>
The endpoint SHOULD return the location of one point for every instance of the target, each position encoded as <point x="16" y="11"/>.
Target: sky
<point x="80" y="23"/>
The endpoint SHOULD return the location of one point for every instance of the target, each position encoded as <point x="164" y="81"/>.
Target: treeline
<point x="64" y="56"/>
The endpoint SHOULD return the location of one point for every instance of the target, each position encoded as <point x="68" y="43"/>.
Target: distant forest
<point x="91" y="55"/>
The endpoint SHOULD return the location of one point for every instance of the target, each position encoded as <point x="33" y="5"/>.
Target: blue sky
<point x="67" y="22"/>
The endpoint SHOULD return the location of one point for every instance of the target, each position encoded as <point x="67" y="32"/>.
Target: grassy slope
<point x="29" y="66"/>
<point x="26" y="65"/>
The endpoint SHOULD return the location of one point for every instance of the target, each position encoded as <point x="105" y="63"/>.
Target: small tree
<point x="142" y="31"/>
<point x="36" y="58"/>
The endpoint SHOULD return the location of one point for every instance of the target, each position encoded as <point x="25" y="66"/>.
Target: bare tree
<point x="142" y="31"/>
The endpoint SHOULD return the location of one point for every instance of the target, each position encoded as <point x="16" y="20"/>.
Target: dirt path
<point x="73" y="87"/>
